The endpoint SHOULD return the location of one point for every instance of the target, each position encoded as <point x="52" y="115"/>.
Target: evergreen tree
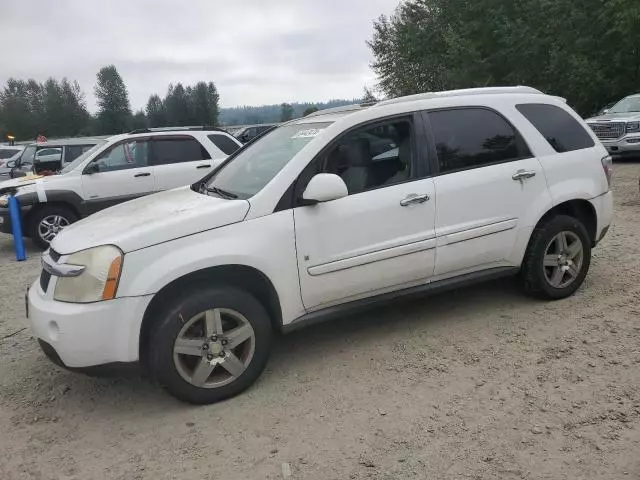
<point x="176" y="106"/>
<point x="286" y="112"/>
<point x="114" y="110"/>
<point x="139" y="121"/>
<point x="156" y="116"/>
<point x="584" y="51"/>
<point x="368" y="96"/>
<point x="309" y="110"/>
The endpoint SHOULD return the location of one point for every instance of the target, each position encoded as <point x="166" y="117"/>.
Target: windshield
<point x="626" y="105"/>
<point x="82" y="158"/>
<point x="254" y="167"/>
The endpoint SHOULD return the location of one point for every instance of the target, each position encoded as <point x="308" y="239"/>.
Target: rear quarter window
<point x="224" y="143"/>
<point x="563" y="132"/>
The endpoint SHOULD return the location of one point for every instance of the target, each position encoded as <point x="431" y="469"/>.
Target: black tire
<point x="188" y="305"/>
<point x="42" y="213"/>
<point x="533" y="276"/>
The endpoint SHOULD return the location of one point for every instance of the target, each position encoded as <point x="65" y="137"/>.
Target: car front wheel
<point x="211" y="344"/>
<point x="47" y="222"/>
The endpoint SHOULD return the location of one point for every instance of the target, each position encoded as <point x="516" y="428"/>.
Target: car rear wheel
<point x="557" y="258"/>
<point x="47" y="222"/>
<point x="211" y="344"/>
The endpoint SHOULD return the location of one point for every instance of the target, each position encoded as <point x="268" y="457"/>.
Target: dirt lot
<point x="481" y="383"/>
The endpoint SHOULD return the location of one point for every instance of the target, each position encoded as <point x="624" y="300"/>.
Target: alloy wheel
<point x="50" y="226"/>
<point x="214" y="348"/>
<point x="563" y="259"/>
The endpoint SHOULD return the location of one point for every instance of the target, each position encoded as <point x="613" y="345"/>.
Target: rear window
<point x="177" y="150"/>
<point x="224" y="143"/>
<point x="563" y="132"/>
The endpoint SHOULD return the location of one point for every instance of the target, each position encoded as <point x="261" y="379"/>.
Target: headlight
<point x="4" y="200"/>
<point x="99" y="279"/>
<point x="633" y="126"/>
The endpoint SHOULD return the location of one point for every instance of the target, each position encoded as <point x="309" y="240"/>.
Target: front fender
<point x="266" y="244"/>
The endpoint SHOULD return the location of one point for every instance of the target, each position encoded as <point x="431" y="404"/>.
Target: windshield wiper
<point x="219" y="192"/>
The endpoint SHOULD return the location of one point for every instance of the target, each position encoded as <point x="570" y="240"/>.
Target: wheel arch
<point x="247" y="278"/>
<point x="35" y="208"/>
<point x="580" y="209"/>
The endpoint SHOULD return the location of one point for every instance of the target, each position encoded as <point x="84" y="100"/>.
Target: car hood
<point x="21" y="182"/>
<point x="616" y="117"/>
<point x="151" y="220"/>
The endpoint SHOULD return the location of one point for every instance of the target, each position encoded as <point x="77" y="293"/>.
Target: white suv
<point x="321" y="216"/>
<point x="115" y="170"/>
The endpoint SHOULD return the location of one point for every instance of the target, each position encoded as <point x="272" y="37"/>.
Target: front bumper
<point x="626" y="145"/>
<point x="86" y="335"/>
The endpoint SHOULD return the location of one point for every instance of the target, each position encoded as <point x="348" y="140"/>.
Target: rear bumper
<point x="604" y="210"/>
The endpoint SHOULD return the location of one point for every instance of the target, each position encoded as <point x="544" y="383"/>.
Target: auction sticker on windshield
<point x="308" y="133"/>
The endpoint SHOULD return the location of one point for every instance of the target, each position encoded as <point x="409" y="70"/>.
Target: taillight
<point x="607" y="165"/>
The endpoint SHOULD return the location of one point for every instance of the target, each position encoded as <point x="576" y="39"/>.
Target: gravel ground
<point x="480" y="383"/>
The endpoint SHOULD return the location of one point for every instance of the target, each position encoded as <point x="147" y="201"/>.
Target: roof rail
<point x="344" y="108"/>
<point x="176" y="129"/>
<point x="460" y="93"/>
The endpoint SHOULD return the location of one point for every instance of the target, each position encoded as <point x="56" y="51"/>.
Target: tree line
<point x="58" y="108"/>
<point x="248" y="115"/>
<point x="586" y="51"/>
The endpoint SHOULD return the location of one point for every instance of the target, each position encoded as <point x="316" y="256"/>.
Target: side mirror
<point x="324" y="187"/>
<point x="11" y="164"/>
<point x="605" y="111"/>
<point x="92" y="168"/>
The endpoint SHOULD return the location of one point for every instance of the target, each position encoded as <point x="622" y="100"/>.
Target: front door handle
<point x="143" y="174"/>
<point x="204" y="166"/>
<point x="414" y="198"/>
<point x="523" y="175"/>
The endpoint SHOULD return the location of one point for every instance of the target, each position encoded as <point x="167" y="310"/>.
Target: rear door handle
<point x="143" y="174"/>
<point x="204" y="166"/>
<point x="414" y="198"/>
<point x="523" y="175"/>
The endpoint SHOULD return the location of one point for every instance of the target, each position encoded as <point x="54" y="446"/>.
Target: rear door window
<point x="177" y="149"/>
<point x="468" y="138"/>
<point x="560" y="129"/>
<point x="224" y="143"/>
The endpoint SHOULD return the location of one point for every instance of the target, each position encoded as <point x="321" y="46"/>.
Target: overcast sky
<point x="256" y="51"/>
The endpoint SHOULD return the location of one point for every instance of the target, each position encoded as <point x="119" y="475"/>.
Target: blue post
<point x="16" y="228"/>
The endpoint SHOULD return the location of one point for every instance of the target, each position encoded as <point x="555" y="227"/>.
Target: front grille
<point x="46" y="276"/>
<point x="609" y="130"/>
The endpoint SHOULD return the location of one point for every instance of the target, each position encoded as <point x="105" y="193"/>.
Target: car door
<point x="487" y="178"/>
<point x="120" y="173"/>
<point x="179" y="160"/>
<point x="381" y="236"/>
